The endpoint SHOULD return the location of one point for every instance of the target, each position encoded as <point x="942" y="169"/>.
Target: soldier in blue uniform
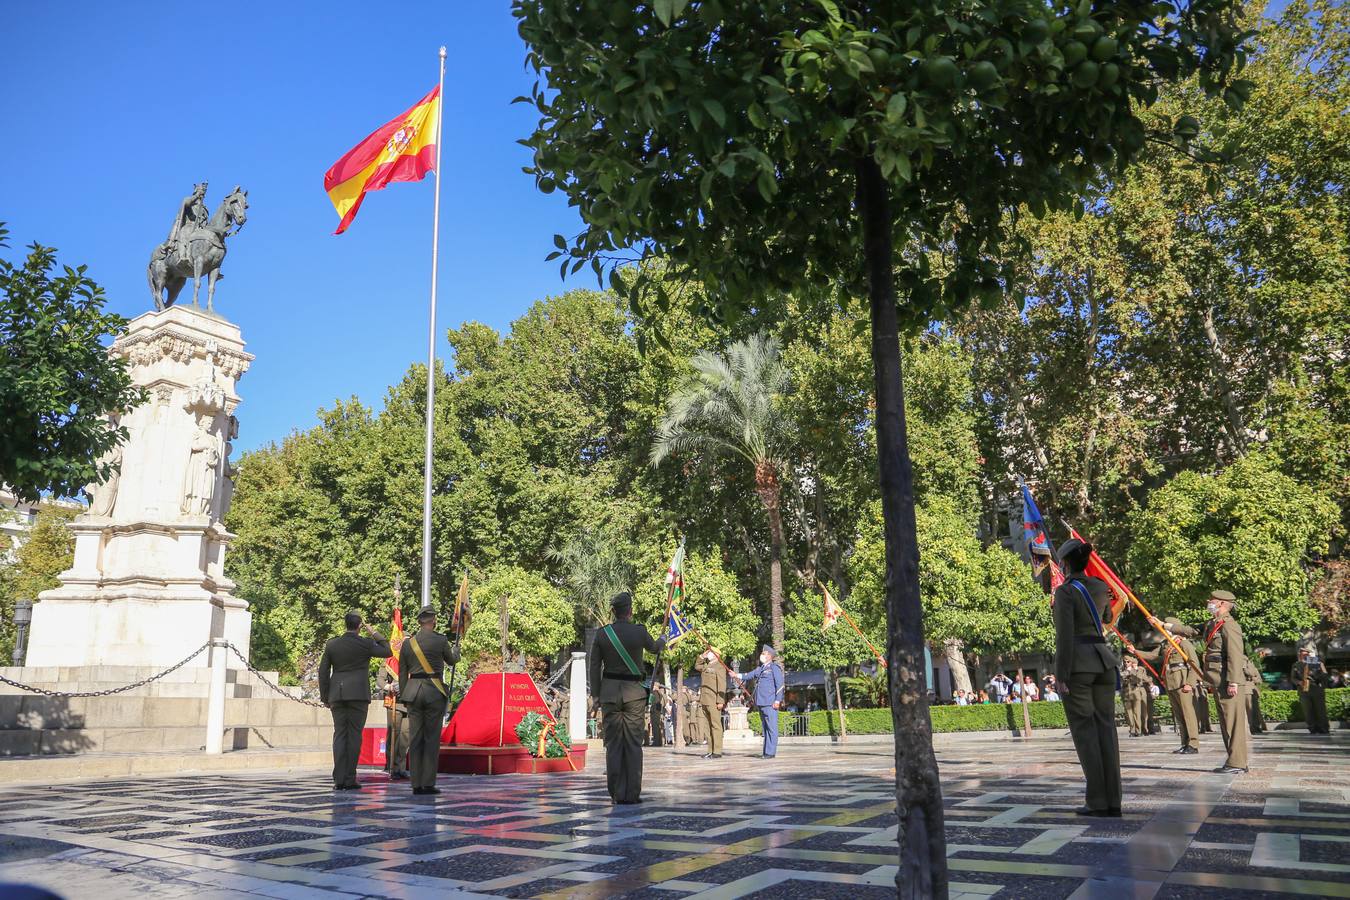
<point x="769" y="685"/>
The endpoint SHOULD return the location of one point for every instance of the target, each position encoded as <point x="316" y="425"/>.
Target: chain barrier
<point x="110" y="691"/>
<point x="267" y="681"/>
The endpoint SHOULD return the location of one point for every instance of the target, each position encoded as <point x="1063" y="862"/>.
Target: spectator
<point x="961" y="698"/>
<point x="1029" y="686"/>
<point x="984" y="696"/>
<point x="1050" y="696"/>
<point x="998" y="687"/>
<point x="1048" y="684"/>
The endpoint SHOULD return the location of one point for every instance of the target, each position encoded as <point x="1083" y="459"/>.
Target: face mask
<point x="1213" y="609"/>
<point x="763" y="660"/>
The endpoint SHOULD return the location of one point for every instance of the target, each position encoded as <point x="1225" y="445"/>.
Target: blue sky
<point x="113" y="111"/>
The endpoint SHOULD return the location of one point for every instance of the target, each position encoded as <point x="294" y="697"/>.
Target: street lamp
<point x="23" y="615"/>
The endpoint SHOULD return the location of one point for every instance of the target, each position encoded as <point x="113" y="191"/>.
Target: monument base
<point x="134" y="631"/>
<point x="457" y="759"/>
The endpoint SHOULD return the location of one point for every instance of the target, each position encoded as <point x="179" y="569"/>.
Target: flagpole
<point x="431" y="350"/>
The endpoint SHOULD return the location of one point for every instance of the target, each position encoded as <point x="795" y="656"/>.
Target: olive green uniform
<point x="396" y="726"/>
<point x="344" y="687"/>
<point x="712" y="695"/>
<point x="424" y="696"/>
<point x="1181" y="682"/>
<point x="1203" y="714"/>
<point x="1085" y="663"/>
<point x="1256" y="722"/>
<point x="1134" y="686"/>
<point x="1314" y="699"/>
<point x="1224" y="664"/>
<point x="623" y="700"/>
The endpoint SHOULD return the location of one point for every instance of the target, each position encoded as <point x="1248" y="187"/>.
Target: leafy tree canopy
<point x="58" y="385"/>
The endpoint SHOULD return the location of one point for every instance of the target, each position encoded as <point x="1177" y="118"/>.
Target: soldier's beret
<point x="427" y="615"/>
<point x="1172" y="620"/>
<point x="1223" y="596"/>
<point x="621" y="600"/>
<point x="769" y="650"/>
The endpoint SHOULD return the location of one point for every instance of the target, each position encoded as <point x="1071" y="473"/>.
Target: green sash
<point x="627" y="659"/>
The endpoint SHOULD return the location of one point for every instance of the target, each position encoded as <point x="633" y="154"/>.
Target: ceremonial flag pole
<point x="431" y="351"/>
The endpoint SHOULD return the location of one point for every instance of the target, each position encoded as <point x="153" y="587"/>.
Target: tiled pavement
<point x="815" y="822"/>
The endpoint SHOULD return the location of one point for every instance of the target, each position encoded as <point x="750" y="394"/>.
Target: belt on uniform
<point x="422" y="675"/>
<point x="623" y="676"/>
<point x="1175" y="666"/>
<point x="1089" y="639"/>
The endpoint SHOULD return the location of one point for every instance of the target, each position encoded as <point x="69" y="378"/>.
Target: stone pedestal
<point x="148" y="585"/>
<point x="738" y="725"/>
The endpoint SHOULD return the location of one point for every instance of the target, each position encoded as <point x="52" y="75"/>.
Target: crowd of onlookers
<point x="1003" y="689"/>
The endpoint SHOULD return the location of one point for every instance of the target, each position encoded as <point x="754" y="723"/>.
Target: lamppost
<point x="23" y="614"/>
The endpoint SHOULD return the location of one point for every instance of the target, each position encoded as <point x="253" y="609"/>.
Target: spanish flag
<point x="401" y="150"/>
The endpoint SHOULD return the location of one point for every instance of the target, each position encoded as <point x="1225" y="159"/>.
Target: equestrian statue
<point x="195" y="247"/>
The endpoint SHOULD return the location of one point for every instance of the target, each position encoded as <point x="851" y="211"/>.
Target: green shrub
<point x="1276" y="706"/>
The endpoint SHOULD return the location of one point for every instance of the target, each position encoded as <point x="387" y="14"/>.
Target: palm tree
<point x="730" y="405"/>
<point x="595" y="567"/>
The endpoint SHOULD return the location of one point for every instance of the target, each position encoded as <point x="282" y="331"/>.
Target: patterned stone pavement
<point x="815" y="822"/>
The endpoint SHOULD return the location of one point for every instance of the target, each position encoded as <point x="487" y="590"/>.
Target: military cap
<point x="621" y="600"/>
<point x="426" y="615"/>
<point x="1071" y="547"/>
<point x="1223" y="596"/>
<point x="769" y="650"/>
<point x="1172" y="620"/>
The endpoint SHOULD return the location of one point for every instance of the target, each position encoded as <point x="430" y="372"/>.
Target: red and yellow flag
<point x="832" y="610"/>
<point x="1097" y="568"/>
<point x="395" y="640"/>
<point x="403" y="149"/>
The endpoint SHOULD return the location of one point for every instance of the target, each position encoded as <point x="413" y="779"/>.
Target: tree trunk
<point x="839" y="702"/>
<point x="775" y="574"/>
<point x="1219" y="367"/>
<point x="956" y="661"/>
<point x="918" y="794"/>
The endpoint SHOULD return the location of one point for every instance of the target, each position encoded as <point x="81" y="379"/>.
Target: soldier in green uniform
<point x="712" y="696"/>
<point x="396" y="726"/>
<point x="1086" y="670"/>
<point x="1224" y="664"/>
<point x="1134" y="687"/>
<point x="1181" y="680"/>
<point x="1256" y="722"/>
<point x="616" y="677"/>
<point x="344" y="687"/>
<point x="421" y="670"/>
<point x="1310" y="679"/>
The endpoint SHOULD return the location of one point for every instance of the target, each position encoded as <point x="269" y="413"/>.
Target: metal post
<point x="215" y="700"/>
<point x="576" y="710"/>
<point x="23" y="615"/>
<point x="431" y="353"/>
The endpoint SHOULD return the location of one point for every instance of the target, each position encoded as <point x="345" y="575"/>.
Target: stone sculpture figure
<point x="103" y="497"/>
<point x="203" y="469"/>
<point x="195" y="247"/>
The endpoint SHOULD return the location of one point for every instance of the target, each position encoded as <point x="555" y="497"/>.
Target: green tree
<point x="58" y="385"/>
<point x="539" y="622"/>
<point x="47" y="551"/>
<point x="595" y="565"/>
<point x="1249" y="529"/>
<point x="731" y="405"/>
<point x="766" y="148"/>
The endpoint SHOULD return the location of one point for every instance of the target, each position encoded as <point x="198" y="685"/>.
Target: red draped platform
<point x="481" y="737"/>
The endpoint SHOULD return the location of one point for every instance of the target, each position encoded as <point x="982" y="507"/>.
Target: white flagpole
<point x="431" y="353"/>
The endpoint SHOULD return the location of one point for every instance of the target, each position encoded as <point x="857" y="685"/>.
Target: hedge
<point x="1276" y="706"/>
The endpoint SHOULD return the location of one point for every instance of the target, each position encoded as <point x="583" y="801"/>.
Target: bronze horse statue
<point x="198" y="250"/>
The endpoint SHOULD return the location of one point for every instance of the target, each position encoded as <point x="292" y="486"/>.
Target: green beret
<point x="1223" y="596"/>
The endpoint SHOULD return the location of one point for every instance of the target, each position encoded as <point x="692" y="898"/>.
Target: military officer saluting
<point x="421" y="670"/>
<point x="1310" y="678"/>
<point x="1134" y="685"/>
<point x="712" y="696"/>
<point x="1181" y="680"/>
<point x="1225" y="662"/>
<point x="1086" y="671"/>
<point x="344" y="687"/>
<point x="618" y="680"/>
<point x="769" y="687"/>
